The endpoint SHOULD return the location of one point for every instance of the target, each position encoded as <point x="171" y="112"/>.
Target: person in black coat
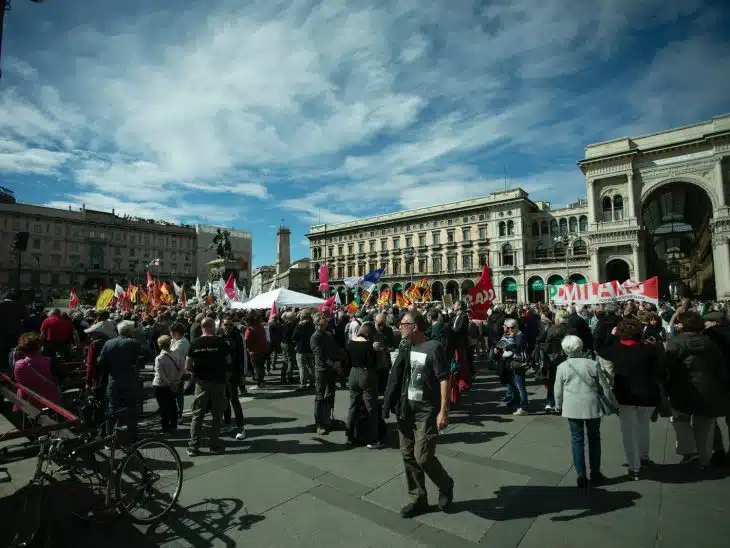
<point x="580" y="326"/>
<point x="716" y="327"/>
<point x="602" y="334"/>
<point x="638" y="379"/>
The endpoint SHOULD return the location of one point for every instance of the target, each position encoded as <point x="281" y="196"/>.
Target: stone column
<point x="591" y="204"/>
<point x="596" y="274"/>
<point x="720" y="183"/>
<point x="638" y="270"/>
<point x="632" y="195"/>
<point x="721" y="263"/>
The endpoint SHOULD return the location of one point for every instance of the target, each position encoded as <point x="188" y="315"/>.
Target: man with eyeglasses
<point x="418" y="392"/>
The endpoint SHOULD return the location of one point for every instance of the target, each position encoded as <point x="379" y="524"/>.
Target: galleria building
<point x="656" y="205"/>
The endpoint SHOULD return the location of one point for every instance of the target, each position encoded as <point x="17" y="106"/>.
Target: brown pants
<point x="418" y="449"/>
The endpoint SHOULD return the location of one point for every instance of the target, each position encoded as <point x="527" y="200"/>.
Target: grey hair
<point x="572" y="345"/>
<point x="511" y="322"/>
<point x="126" y="328"/>
<point x="571" y="309"/>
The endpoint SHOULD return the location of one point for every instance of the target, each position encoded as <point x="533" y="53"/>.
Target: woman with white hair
<point x="511" y="355"/>
<point x="579" y="385"/>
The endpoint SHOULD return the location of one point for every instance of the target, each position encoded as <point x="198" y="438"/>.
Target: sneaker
<point x="241" y="435"/>
<point x="520" y="412"/>
<point x="414" y="509"/>
<point x="446" y="498"/>
<point x="217" y="449"/>
<point x="377" y="445"/>
<point x="634" y="475"/>
<point x="193" y="452"/>
<point x="322" y="431"/>
<point x="549" y="409"/>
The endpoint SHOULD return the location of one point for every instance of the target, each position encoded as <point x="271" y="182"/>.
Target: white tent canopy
<point x="282" y="297"/>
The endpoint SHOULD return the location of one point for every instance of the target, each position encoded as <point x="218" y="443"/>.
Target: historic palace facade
<point x="656" y="205"/>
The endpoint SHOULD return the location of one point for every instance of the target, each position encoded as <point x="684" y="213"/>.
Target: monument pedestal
<point x="222" y="268"/>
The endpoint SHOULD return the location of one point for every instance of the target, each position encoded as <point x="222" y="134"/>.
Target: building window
<point x="421" y="240"/>
<point x="553" y="227"/>
<point x="350" y="249"/>
<point x="436" y="238"/>
<point x="482" y="217"/>
<point x="340" y="250"/>
<point x="396" y="242"/>
<point x="38" y="228"/>
<point x="540" y="251"/>
<point x="482" y="260"/>
<point x="409" y="267"/>
<point x="173" y="267"/>
<point x="544" y="228"/>
<point x="36" y="243"/>
<point x="559" y="250"/>
<point x="436" y="261"/>
<point x="58" y="230"/>
<point x="466" y="234"/>
<point x="372" y="245"/>
<point x="450" y="236"/>
<point x="579" y="247"/>
<point x="373" y="266"/>
<point x="409" y="242"/>
<point x="361" y="247"/>
<point x="187" y="268"/>
<point x="117" y="251"/>
<point x="96" y="257"/>
<point x="618" y="208"/>
<point x="396" y="268"/>
<point x="563" y="227"/>
<point x="36" y="260"/>
<point x="383" y="244"/>
<point x="583" y="223"/>
<point x="535" y="229"/>
<point x="451" y="263"/>
<point x="482" y="233"/>
<point x="502" y="229"/>
<point x="132" y="252"/>
<point x="573" y="225"/>
<point x="57" y="245"/>
<point x="55" y="280"/>
<point x="607" y="210"/>
<point x="174" y="242"/>
<point x="508" y="256"/>
<point x="117" y="265"/>
<point x="422" y="265"/>
<point x="510" y="228"/>
<point x="350" y="270"/>
<point x="56" y="260"/>
<point x="466" y="262"/>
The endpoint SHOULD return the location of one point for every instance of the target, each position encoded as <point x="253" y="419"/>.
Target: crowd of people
<point x="629" y="358"/>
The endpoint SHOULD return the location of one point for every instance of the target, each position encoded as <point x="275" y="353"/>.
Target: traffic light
<point x="21" y="242"/>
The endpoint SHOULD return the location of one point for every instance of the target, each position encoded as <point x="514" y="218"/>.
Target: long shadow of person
<point x="517" y="502"/>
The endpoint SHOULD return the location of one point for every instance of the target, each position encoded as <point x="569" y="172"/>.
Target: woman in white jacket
<point x="166" y="383"/>
<point x="577" y="383"/>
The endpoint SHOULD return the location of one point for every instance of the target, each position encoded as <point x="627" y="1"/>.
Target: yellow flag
<point x="105" y="300"/>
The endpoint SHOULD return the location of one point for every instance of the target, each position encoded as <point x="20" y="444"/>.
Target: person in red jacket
<point x="257" y="346"/>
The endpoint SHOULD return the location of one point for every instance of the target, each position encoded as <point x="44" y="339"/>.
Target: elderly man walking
<point x="209" y="360"/>
<point x="118" y="359"/>
<point x="326" y="367"/>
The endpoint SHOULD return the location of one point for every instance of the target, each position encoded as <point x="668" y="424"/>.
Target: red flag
<point x="480" y="297"/>
<point x="273" y="312"/>
<point x="230" y="288"/>
<point x="73" y="299"/>
<point x="329" y="303"/>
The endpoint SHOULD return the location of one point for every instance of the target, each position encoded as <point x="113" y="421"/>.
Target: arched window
<point x="563" y="226"/>
<point x="535" y="229"/>
<point x="502" y="228"/>
<point x="553" y="227"/>
<point x="607" y="208"/>
<point x="579" y="247"/>
<point x="544" y="228"/>
<point x="618" y="208"/>
<point x="508" y="256"/>
<point x="573" y="225"/>
<point x="540" y="251"/>
<point x="583" y="223"/>
<point x="510" y="228"/>
<point x="559" y="249"/>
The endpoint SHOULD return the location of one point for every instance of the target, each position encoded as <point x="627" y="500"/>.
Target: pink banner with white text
<point x="606" y="292"/>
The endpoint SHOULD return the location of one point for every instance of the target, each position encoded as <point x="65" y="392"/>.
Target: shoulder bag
<point x="607" y="406"/>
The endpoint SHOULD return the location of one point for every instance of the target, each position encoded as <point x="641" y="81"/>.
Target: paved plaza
<point x="515" y="486"/>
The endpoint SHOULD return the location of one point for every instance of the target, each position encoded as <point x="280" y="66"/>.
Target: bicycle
<point x="129" y="485"/>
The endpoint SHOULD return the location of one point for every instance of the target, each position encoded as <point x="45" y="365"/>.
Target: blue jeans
<point x="578" y="427"/>
<point x="517" y="389"/>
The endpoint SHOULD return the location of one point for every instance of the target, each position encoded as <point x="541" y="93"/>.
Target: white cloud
<point x="344" y="109"/>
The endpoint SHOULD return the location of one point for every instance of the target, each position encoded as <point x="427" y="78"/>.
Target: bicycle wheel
<point x="148" y="481"/>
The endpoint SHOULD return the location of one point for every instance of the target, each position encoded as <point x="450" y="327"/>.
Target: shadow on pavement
<point x="517" y="502"/>
<point x="469" y="437"/>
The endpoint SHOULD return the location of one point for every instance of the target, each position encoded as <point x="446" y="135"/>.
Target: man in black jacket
<point x="230" y="333"/>
<point x="607" y="320"/>
<point x="717" y="329"/>
<point x="580" y="326"/>
<point x="326" y="367"/>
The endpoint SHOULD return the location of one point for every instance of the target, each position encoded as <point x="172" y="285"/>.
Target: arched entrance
<point x="509" y="290"/>
<point x="437" y="291"/>
<point x="536" y="290"/>
<point x="678" y="239"/>
<point x="397" y="290"/>
<point x="617" y="269"/>
<point x="577" y="279"/>
<point x="466" y="286"/>
<point x="452" y="288"/>
<point x="556" y="279"/>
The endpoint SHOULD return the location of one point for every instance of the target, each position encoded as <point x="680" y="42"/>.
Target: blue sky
<point x="326" y="111"/>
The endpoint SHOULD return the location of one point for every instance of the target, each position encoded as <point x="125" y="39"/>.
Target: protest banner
<point x="606" y="292"/>
<point x="480" y="296"/>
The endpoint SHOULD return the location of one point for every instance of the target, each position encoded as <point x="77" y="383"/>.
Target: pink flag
<point x="324" y="278"/>
<point x="329" y="303"/>
<point x="230" y="288"/>
<point x="272" y="313"/>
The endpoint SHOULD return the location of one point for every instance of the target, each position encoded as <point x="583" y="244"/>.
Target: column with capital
<point x="591" y="202"/>
<point x="721" y="264"/>
<point x="632" y="194"/>
<point x="720" y="184"/>
<point x="596" y="274"/>
<point x="638" y="267"/>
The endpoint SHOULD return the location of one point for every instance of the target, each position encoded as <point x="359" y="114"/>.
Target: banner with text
<point x="480" y="297"/>
<point x="606" y="292"/>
